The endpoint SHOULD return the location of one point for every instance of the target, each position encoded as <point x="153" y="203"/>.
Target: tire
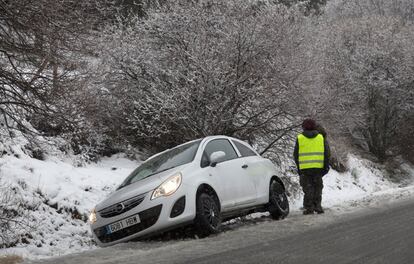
<point x="208" y="219"/>
<point x="278" y="202"/>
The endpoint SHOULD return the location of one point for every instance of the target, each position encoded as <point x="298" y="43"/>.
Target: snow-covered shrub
<point x="42" y="76"/>
<point x="196" y="69"/>
<point x="15" y="223"/>
<point x="369" y="72"/>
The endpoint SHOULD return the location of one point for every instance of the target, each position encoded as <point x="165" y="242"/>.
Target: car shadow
<point x="188" y="232"/>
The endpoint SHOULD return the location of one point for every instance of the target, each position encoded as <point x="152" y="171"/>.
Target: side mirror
<point x="216" y="157"/>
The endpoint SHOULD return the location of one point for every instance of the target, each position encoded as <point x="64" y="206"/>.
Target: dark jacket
<point x="312" y="134"/>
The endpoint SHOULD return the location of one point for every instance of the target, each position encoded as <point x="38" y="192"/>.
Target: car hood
<point x="137" y="188"/>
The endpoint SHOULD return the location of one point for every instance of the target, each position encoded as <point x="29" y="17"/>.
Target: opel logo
<point x="119" y="207"/>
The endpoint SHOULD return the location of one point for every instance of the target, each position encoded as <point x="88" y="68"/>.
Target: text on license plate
<point x="132" y="220"/>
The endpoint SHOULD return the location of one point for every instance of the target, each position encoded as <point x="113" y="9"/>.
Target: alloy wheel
<point x="211" y="212"/>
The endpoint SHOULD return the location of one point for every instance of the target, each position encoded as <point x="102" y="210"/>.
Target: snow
<point x="61" y="190"/>
<point x="65" y="184"/>
<point x="361" y="179"/>
<point x="363" y="185"/>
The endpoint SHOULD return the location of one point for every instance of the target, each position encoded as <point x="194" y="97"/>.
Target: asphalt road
<point x="379" y="235"/>
<point x="385" y="237"/>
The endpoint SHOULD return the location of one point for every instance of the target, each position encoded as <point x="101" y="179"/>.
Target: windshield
<point x="170" y="159"/>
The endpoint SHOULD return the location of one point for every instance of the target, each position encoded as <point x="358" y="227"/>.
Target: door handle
<point x="245" y="166"/>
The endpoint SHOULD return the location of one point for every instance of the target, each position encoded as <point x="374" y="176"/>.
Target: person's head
<point x="309" y="124"/>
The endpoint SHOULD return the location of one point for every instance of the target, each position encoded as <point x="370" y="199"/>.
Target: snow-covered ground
<point x="62" y="193"/>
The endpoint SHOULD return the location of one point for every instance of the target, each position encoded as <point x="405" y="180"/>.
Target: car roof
<point x="208" y="138"/>
<point x="221" y="136"/>
<point x="217" y="136"/>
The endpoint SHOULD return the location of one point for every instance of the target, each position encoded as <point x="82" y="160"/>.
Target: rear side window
<point x="244" y="150"/>
<point x="220" y="145"/>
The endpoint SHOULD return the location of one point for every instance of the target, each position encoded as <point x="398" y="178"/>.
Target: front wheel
<point x="278" y="202"/>
<point x="208" y="219"/>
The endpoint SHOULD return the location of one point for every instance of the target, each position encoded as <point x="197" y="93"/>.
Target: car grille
<point x="148" y="218"/>
<point x="122" y="207"/>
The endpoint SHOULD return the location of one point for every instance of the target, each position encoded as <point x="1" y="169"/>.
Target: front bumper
<point x="148" y="218"/>
<point x="155" y="216"/>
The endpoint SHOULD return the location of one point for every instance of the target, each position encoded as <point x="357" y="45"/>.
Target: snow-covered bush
<point x="196" y="69"/>
<point x="42" y="51"/>
<point x="369" y="72"/>
<point x="15" y="223"/>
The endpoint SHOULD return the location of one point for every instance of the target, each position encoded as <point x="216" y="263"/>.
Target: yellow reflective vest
<point x="311" y="152"/>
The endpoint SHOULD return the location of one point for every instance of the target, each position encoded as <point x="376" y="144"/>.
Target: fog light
<point x="178" y="207"/>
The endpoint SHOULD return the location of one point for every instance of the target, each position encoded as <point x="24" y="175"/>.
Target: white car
<point x="201" y="182"/>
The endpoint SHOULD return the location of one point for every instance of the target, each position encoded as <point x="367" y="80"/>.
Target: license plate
<point x="130" y="221"/>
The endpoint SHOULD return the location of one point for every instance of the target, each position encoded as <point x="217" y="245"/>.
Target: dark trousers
<point x="312" y="185"/>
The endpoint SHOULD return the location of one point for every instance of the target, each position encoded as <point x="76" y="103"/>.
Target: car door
<point x="235" y="188"/>
<point x="256" y="168"/>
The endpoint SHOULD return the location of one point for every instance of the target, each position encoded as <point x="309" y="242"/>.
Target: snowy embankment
<point x="62" y="196"/>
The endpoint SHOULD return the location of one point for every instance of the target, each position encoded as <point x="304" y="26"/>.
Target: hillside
<point x="59" y="197"/>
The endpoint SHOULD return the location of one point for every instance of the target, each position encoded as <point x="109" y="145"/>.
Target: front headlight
<point x="168" y="187"/>
<point x="92" y="216"/>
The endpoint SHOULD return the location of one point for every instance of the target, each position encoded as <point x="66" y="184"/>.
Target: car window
<point x="219" y="145"/>
<point x="172" y="158"/>
<point x="244" y="150"/>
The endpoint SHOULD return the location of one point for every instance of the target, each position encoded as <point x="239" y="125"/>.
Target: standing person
<point x="311" y="156"/>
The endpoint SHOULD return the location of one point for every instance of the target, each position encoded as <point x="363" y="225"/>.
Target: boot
<point x="319" y="209"/>
<point x="307" y="211"/>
